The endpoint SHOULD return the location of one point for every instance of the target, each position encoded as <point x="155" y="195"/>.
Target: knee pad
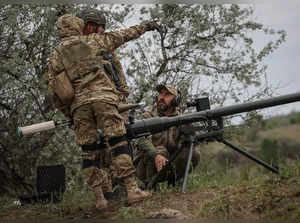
<point x="94" y="146"/>
<point x="115" y="140"/>
<point x="121" y="150"/>
<point x="86" y="163"/>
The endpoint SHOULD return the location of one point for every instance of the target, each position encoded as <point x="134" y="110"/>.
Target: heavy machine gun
<point x="212" y="129"/>
<point x="211" y="118"/>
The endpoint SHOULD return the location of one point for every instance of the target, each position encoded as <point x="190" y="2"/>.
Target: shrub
<point x="269" y="151"/>
<point x="295" y="118"/>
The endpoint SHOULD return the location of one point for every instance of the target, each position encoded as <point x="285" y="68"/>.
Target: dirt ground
<point x="274" y="199"/>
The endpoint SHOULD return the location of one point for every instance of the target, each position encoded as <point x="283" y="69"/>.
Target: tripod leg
<point x="274" y="169"/>
<point x="187" y="168"/>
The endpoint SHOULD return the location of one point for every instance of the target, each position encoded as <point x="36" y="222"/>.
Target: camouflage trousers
<point x="145" y="167"/>
<point x="88" y="119"/>
<point x="107" y="168"/>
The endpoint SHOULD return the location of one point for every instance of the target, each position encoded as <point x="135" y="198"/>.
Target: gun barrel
<point x="155" y="125"/>
<point x="44" y="126"/>
<point x="250" y="106"/>
<point x="125" y="107"/>
<point x="31" y="129"/>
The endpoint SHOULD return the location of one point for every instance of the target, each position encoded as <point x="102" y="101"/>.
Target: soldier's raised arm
<point x="114" y="39"/>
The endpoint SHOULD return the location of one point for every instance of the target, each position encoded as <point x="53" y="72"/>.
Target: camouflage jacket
<point x="101" y="87"/>
<point x="164" y="143"/>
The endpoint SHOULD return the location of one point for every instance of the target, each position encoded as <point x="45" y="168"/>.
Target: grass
<point x="7" y="202"/>
<point x="260" y="196"/>
<point x="216" y="194"/>
<point x="80" y="198"/>
<point x="73" y="202"/>
<point x="129" y="213"/>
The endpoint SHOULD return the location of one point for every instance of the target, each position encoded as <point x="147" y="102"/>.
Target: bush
<point x="289" y="149"/>
<point x="295" y="118"/>
<point x="279" y="150"/>
<point x="269" y="151"/>
<point x="227" y="159"/>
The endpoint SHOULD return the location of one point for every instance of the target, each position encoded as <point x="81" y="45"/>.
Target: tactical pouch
<point x="63" y="88"/>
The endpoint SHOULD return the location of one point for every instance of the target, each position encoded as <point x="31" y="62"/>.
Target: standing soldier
<point x="153" y="152"/>
<point x="87" y="83"/>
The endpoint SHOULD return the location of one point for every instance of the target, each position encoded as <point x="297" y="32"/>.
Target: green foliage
<point x="279" y="151"/>
<point x="128" y="213"/>
<point x="199" y="48"/>
<point x="295" y="118"/>
<point x="77" y="198"/>
<point x="289" y="149"/>
<point x="216" y="171"/>
<point x="280" y="121"/>
<point x="6" y="202"/>
<point x="27" y="37"/>
<point x="291" y="171"/>
<point x="270" y="151"/>
<point x="253" y="122"/>
<point x="276" y="123"/>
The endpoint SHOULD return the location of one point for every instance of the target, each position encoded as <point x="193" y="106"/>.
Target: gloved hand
<point x="152" y="25"/>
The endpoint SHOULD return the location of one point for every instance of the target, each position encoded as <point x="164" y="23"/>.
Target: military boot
<point x="101" y="202"/>
<point x="134" y="193"/>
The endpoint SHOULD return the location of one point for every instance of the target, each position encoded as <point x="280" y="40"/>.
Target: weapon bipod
<point x="218" y="136"/>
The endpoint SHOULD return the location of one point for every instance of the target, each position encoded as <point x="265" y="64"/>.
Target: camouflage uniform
<point x="94" y="105"/>
<point x="163" y="143"/>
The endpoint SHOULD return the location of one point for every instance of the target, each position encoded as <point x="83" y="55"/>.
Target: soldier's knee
<point x="122" y="162"/>
<point x="93" y="146"/>
<point x="87" y="163"/>
<point x="119" y="144"/>
<point x="89" y="155"/>
<point x="121" y="150"/>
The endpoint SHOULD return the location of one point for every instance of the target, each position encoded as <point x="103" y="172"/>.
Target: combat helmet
<point x="92" y="15"/>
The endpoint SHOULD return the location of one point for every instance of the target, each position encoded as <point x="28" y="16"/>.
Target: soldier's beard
<point x="162" y="107"/>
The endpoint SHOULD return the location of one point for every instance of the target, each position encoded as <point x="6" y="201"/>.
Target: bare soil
<point x="274" y="199"/>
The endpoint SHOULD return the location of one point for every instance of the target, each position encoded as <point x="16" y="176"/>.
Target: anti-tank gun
<point x="212" y="128"/>
<point x="211" y="118"/>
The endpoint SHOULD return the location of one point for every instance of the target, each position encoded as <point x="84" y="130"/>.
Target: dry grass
<point x="291" y="132"/>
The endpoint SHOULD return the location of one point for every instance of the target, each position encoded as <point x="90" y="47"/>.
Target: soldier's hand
<point x="152" y="25"/>
<point x="160" y="162"/>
